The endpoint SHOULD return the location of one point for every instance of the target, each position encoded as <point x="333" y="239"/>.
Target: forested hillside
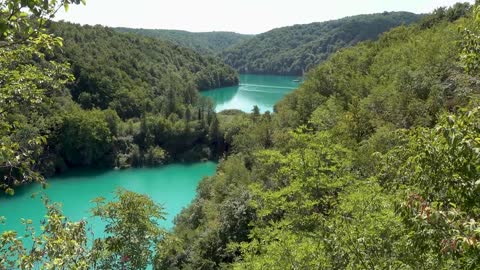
<point x="123" y="71"/>
<point x="295" y="49"/>
<point x="204" y="42"/>
<point x="143" y="92"/>
<point x="372" y="164"/>
<point x="107" y="100"/>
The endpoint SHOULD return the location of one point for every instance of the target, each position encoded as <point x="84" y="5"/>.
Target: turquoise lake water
<point x="261" y="90"/>
<point x="172" y="186"/>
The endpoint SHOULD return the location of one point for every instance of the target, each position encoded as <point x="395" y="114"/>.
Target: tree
<point x="376" y="179"/>
<point x="26" y="19"/>
<point x="86" y="139"/>
<point x="61" y="244"/>
<point x="471" y="43"/>
<point x="155" y="156"/>
<point x="294" y="49"/>
<point x="214" y="130"/>
<point x="436" y="173"/>
<point x="27" y="80"/>
<point x="132" y="229"/>
<point x="132" y="232"/>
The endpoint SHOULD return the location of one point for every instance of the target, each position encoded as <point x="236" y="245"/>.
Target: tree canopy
<point x="28" y="79"/>
<point x="371" y="164"/>
<point x="89" y="96"/>
<point x="212" y="43"/>
<point x="294" y="50"/>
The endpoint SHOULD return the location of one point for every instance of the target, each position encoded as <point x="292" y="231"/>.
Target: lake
<point x="173" y="186"/>
<point x="261" y="90"/>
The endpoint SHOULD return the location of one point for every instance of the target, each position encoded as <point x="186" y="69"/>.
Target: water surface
<point x="261" y="90"/>
<point x="173" y="186"/>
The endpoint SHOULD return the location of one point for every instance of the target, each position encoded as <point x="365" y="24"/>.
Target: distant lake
<point x="173" y="186"/>
<point x="261" y="90"/>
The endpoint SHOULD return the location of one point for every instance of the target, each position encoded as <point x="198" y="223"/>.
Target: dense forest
<point x="293" y="50"/>
<point x="373" y="163"/>
<point x="212" y="43"/>
<point x="108" y="100"/>
<point x="289" y="50"/>
<point x="107" y="65"/>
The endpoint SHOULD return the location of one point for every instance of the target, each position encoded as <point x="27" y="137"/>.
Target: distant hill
<point x="205" y="43"/>
<point x="294" y="49"/>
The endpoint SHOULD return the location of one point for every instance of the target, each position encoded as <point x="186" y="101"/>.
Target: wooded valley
<point x="372" y="163"/>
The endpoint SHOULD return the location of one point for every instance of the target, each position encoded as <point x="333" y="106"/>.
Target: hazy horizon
<point x="240" y="16"/>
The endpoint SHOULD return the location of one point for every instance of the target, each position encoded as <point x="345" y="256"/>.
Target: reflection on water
<point x="261" y="90"/>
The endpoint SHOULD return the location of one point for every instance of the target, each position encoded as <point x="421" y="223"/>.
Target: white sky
<point x="242" y="16"/>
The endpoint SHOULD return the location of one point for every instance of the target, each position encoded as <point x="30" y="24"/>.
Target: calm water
<point x="173" y="186"/>
<point x="261" y="90"/>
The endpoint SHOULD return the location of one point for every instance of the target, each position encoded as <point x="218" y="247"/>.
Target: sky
<point x="241" y="16"/>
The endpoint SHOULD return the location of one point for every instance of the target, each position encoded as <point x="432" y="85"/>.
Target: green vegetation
<point x="374" y="163"/>
<point x="205" y="43"/>
<point x="131" y="225"/>
<point x="132" y="228"/>
<point x="471" y="45"/>
<point x="295" y="49"/>
<point x="25" y="87"/>
<point x="129" y="73"/>
<point x="99" y="98"/>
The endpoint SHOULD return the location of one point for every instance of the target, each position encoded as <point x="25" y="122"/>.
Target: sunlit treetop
<point x="25" y="18"/>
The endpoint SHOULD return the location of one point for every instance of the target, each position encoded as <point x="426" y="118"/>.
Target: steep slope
<point x="132" y="101"/>
<point x="204" y="43"/>
<point x="295" y="49"/>
<point x="363" y="167"/>
<point x="122" y="70"/>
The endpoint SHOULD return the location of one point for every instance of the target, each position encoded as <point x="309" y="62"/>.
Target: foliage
<point x="471" y="43"/>
<point x="128" y="87"/>
<point x="132" y="231"/>
<point x="402" y="79"/>
<point x="205" y="43"/>
<point x="25" y="88"/>
<point x="449" y="14"/>
<point x="372" y="164"/>
<point x="85" y="138"/>
<point x="22" y="20"/>
<point x="28" y="79"/>
<point x="440" y="167"/>
<point x="133" y="74"/>
<point x="155" y="156"/>
<point x="61" y="244"/>
<point x="296" y="49"/>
